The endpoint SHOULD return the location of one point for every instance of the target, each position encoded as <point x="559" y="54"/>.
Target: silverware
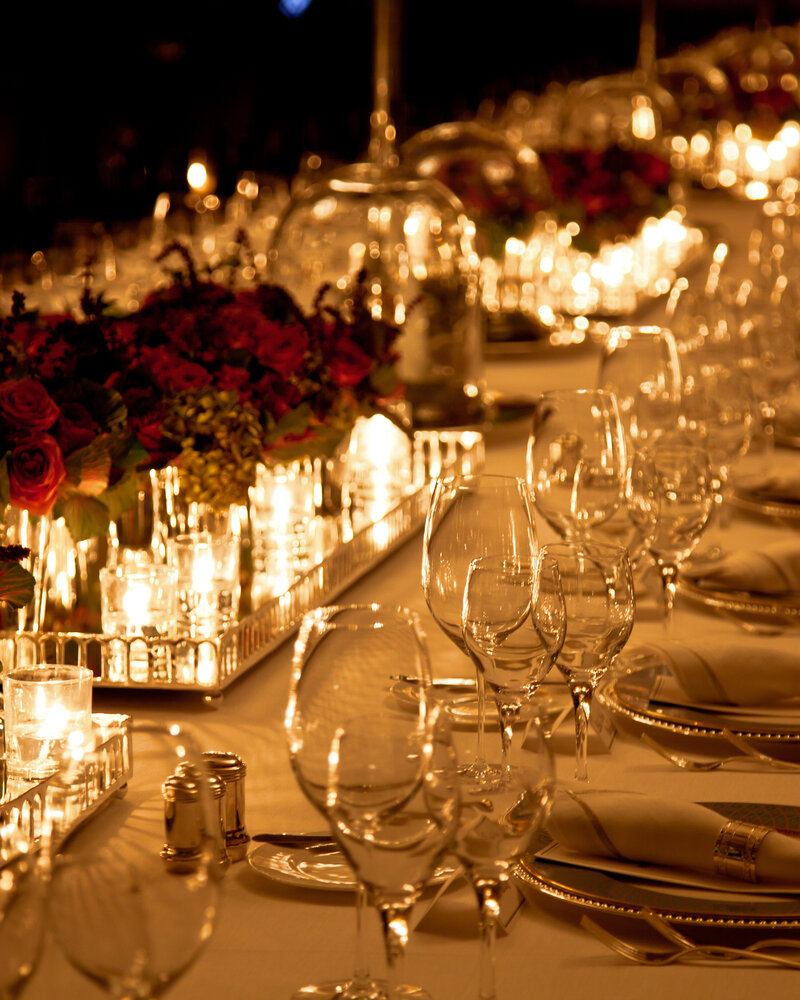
<point x="685" y="949"/>
<point x="464" y="683"/>
<point x="748" y="753"/>
<point x="316" y="842"/>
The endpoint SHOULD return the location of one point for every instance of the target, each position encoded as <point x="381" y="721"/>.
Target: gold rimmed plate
<point x="633" y="698"/>
<point x="595" y="889"/>
<point x="761" y="505"/>
<point x="744" y="602"/>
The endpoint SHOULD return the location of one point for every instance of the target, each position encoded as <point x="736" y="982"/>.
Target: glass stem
<point x="582" y="703"/>
<point x="510" y="712"/>
<point x="669" y="583"/>
<point x="488" y="893"/>
<point x="480" y="690"/>
<point x="362" y="980"/>
<point x="394" y="923"/>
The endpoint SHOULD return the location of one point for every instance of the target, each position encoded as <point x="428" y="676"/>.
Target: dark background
<point x="102" y="105"/>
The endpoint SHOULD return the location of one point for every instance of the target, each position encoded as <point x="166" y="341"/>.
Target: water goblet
<point x="346" y="662"/>
<point x="469" y="517"/>
<point x="597" y="584"/>
<point x="670" y="496"/>
<point x="514" y="626"/>
<point x="640" y="365"/>
<point x="503" y="806"/>
<point x="393" y="804"/>
<point x="576" y="459"/>
<point x="23" y="892"/>
<point x="133" y="915"/>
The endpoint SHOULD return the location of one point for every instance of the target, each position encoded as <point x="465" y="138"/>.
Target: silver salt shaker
<point x="231" y="770"/>
<point x="184" y="820"/>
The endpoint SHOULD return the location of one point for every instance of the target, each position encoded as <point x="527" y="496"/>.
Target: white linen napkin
<point x="655" y="831"/>
<point x="774" y="569"/>
<point x="717" y="671"/>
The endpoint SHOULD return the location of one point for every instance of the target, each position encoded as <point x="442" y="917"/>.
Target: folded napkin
<point x="663" y="832"/>
<point x="774" y="569"/>
<point x="722" y="672"/>
<point x="776" y="487"/>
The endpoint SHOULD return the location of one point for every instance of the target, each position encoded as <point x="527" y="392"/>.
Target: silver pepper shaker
<point x="231" y="770"/>
<point x="184" y="818"/>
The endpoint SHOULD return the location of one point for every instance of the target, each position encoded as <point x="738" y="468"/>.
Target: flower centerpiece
<point x="65" y="445"/>
<point x="216" y="379"/>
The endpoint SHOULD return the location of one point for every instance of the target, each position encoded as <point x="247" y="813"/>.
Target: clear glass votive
<point x="47" y="708"/>
<point x="138" y="598"/>
<point x="208" y="582"/>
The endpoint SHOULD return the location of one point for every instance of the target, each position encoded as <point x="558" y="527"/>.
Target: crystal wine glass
<point x="597" y="584"/>
<point x="346" y="662"/>
<point x="23" y="886"/>
<point x="135" y="912"/>
<point x="503" y="806"/>
<point x="514" y="625"/>
<point x="576" y="459"/>
<point x="469" y="517"/>
<point x="393" y="805"/>
<point x="640" y="365"/>
<point x="670" y="496"/>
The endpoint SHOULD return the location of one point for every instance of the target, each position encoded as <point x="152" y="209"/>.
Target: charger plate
<point x="750" y="502"/>
<point x="630" y="696"/>
<point x="595" y="889"/>
<point x="772" y="606"/>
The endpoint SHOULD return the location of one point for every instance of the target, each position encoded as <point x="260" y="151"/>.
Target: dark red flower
<point x="76" y="428"/>
<point x="35" y="473"/>
<point x="26" y="405"/>
<point x="348" y="363"/>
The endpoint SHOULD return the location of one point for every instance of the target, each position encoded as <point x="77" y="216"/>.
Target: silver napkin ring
<point x="736" y="849"/>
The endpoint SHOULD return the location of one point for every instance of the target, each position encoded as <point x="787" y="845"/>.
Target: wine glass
<point x="640" y="365"/>
<point x="503" y="806"/>
<point x="469" y="517"/>
<point x="514" y="625"/>
<point x="393" y="805"/>
<point x="134" y="912"/>
<point x="597" y="584"/>
<point x="576" y="459"/>
<point x="347" y="661"/>
<point x="23" y="889"/>
<point x="670" y="496"/>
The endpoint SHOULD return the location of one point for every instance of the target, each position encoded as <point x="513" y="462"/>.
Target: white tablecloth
<point x="270" y="938"/>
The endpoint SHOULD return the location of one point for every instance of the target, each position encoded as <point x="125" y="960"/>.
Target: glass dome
<point x="500" y="182"/>
<point x="412" y="239"/>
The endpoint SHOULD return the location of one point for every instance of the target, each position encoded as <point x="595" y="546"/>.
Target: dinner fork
<point x="684" y="949"/>
<point x="748" y="753"/>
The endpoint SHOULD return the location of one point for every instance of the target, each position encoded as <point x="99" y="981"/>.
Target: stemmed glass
<point x="346" y="662"/>
<point x="597" y="584"/>
<point x="576" y="459"/>
<point x="132" y="914"/>
<point x="640" y="365"/>
<point x="503" y="806"/>
<point x="23" y="885"/>
<point x="469" y="517"/>
<point x="393" y="804"/>
<point x="514" y="624"/>
<point x="670" y="496"/>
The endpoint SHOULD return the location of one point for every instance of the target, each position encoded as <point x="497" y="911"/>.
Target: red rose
<point x="27" y="405"/>
<point x="349" y="365"/>
<point x="76" y="428"/>
<point x="235" y="379"/>
<point x="173" y="373"/>
<point x="35" y="473"/>
<point x="281" y="347"/>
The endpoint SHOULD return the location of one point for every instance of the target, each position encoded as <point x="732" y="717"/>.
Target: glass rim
<point x="69" y="674"/>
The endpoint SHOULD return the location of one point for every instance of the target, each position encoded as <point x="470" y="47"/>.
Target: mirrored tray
<point x="596" y="889"/>
<point x="630" y="696"/>
<point x="22" y="803"/>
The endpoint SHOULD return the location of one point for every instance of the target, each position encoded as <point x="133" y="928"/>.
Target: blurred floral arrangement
<point x="208" y="377"/>
<point x="608" y="192"/>
<point x="65" y="446"/>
